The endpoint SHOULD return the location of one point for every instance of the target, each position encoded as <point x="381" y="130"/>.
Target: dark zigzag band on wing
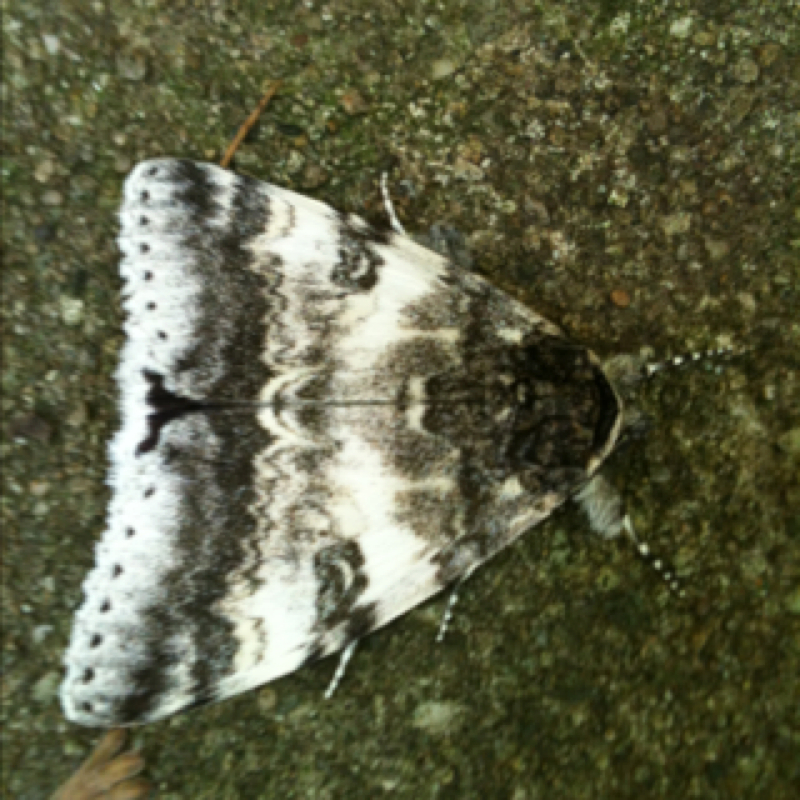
<point x="322" y="426"/>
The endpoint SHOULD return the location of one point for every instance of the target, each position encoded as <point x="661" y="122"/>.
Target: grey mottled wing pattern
<point x="322" y="426"/>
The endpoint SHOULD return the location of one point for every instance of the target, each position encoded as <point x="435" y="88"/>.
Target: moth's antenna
<point x="248" y="124"/>
<point x="387" y="202"/>
<point x="659" y="565"/>
<point x="628" y="371"/>
<point x="728" y="351"/>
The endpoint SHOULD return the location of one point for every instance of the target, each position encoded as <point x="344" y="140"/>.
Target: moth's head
<point x="629" y="374"/>
<point x="611" y="424"/>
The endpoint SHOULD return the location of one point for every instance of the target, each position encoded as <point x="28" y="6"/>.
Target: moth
<point x="323" y="425"/>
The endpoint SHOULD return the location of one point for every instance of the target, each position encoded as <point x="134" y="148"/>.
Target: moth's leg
<point x="387" y="202"/>
<point x="451" y="604"/>
<point x="107" y="773"/>
<point x="346" y="655"/>
<point x="714" y="354"/>
<point x="603" y="505"/>
<point x="607" y="516"/>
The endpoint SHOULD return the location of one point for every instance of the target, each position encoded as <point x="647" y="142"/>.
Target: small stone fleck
<point x="353" y="102"/>
<point x="436" y="718"/>
<point x="677" y="223"/>
<point x="746" y="71"/>
<point x="620" y="298"/>
<point x="704" y="38"/>
<point x="793" y="602"/>
<point x="52" y="198"/>
<point x="41" y="632"/>
<point x="465" y="171"/>
<point x="769" y="54"/>
<point x="267" y="700"/>
<point x="618" y="197"/>
<point x="78" y="416"/>
<point x="717" y="248"/>
<point x="538" y="209"/>
<point x="51" y="43"/>
<point x="73" y="749"/>
<point x="39" y="488"/>
<point x="44" y="690"/>
<point x="619" y="25"/>
<point x="681" y="28"/>
<point x="131" y="66"/>
<point x="313" y="176"/>
<point x="789" y="442"/>
<point x="71" y="310"/>
<point x="122" y="164"/>
<point x="442" y="68"/>
<point x="295" y="162"/>
<point x="44" y="170"/>
<point x="748" y="301"/>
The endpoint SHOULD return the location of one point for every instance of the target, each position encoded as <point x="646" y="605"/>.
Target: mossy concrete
<point x="631" y="170"/>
